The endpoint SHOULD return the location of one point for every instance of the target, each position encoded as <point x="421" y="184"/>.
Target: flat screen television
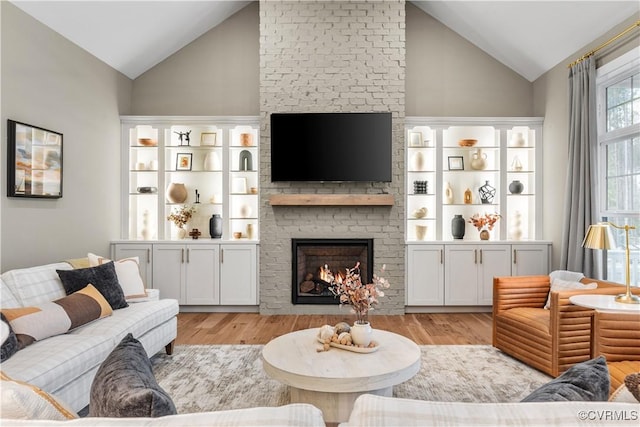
<point x="331" y="147"/>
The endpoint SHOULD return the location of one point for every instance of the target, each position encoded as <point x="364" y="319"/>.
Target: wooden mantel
<point x="331" y="200"/>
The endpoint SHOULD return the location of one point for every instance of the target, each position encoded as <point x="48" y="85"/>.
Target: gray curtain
<point x="580" y="198"/>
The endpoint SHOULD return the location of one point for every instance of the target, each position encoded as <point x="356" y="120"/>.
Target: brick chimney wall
<point x="331" y="56"/>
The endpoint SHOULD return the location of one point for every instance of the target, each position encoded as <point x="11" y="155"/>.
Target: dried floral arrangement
<point x="182" y="215"/>
<point x="361" y="297"/>
<point x="486" y="220"/>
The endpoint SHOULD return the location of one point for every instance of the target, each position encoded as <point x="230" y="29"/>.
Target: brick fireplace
<point x="333" y="56"/>
<point x="311" y="258"/>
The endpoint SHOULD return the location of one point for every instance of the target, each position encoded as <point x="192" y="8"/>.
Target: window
<point x="618" y="93"/>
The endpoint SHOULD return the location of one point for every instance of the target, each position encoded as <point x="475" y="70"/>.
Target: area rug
<point x="203" y="378"/>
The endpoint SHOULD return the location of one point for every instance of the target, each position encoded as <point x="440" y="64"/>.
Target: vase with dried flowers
<point x="180" y="216"/>
<point x="484" y="223"/>
<point x="361" y="297"/>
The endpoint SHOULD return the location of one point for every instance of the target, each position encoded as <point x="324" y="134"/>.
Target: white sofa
<point x="65" y="365"/>
<point x="370" y="410"/>
<point x="293" y="415"/>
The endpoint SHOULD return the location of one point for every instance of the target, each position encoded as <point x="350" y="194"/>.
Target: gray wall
<point x="48" y="81"/>
<point x="449" y="77"/>
<point x="551" y="100"/>
<point x="215" y="75"/>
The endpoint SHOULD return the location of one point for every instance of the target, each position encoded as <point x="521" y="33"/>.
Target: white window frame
<point x="619" y="69"/>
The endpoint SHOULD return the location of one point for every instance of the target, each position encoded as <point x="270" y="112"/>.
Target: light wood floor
<point x="253" y="328"/>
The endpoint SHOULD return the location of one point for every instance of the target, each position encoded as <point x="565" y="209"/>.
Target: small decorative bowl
<point x="237" y="235"/>
<point x="147" y="142"/>
<point x="147" y="190"/>
<point x="467" y="142"/>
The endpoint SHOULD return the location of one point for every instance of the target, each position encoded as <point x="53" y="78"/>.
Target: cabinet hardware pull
<point x="475" y="256"/>
<point x="221" y="256"/>
<point x="480" y="256"/>
<point x="441" y="256"/>
<point x="514" y="256"/>
<point x="148" y="256"/>
<point x="182" y="256"/>
<point x="188" y="255"/>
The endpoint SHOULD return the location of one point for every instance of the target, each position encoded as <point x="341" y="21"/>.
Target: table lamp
<point x="599" y="236"/>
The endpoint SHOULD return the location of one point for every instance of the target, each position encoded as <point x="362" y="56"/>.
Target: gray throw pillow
<point x="10" y="344"/>
<point x="125" y="386"/>
<point x="586" y="381"/>
<point x="103" y="277"/>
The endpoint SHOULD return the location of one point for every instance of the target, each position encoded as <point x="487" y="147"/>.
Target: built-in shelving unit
<point x="468" y="166"/>
<point x="441" y="168"/>
<point x="216" y="160"/>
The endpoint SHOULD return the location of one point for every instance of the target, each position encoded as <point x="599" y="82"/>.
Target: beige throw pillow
<point x="24" y="401"/>
<point x="565" y="285"/>
<point x="128" y="272"/>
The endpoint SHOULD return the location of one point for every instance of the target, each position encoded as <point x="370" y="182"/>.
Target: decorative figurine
<point x="184" y="135"/>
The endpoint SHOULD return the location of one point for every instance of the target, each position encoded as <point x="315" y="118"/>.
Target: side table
<point x="604" y="303"/>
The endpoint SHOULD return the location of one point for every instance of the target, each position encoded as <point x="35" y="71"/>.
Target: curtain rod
<point x="605" y="44"/>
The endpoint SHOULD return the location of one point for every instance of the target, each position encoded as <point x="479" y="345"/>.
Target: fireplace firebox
<point x="309" y="258"/>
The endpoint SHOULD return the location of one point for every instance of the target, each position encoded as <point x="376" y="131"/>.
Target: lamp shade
<point x="599" y="236"/>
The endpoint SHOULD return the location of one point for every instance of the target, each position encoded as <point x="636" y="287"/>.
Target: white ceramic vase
<point x="448" y="194"/>
<point x="517" y="140"/>
<point x="361" y="333"/>
<point x="417" y="161"/>
<point x="478" y="160"/>
<point x="211" y="162"/>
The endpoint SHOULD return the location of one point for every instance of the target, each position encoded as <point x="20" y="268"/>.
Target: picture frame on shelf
<point x="208" y="139"/>
<point x="456" y="163"/>
<point x="34" y="161"/>
<point x="239" y="185"/>
<point x="183" y="161"/>
<point x="415" y="139"/>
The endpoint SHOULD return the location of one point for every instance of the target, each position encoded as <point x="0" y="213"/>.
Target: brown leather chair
<point x="616" y="336"/>
<point x="550" y="340"/>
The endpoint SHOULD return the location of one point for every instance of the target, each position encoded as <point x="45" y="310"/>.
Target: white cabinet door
<point x="493" y="260"/>
<point x="169" y="270"/>
<point x="461" y="275"/>
<point x="425" y="275"/>
<point x="202" y="274"/>
<point x="141" y="250"/>
<point x="530" y="260"/>
<point x="238" y="275"/>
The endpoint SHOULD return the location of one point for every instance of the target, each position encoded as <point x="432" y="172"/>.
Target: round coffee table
<point x="332" y="380"/>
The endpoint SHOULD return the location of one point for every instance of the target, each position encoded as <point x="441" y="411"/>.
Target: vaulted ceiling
<point x="530" y="37"/>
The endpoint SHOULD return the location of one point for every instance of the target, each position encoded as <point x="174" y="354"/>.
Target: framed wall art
<point x="415" y="139"/>
<point x="208" y="138"/>
<point x="34" y="161"/>
<point x="239" y="185"/>
<point x="456" y="163"/>
<point x="183" y="161"/>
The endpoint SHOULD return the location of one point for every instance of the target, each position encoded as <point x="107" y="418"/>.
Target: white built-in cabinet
<point x="461" y="274"/>
<point x="217" y="160"/>
<point x="197" y="273"/>
<point x="440" y="169"/>
<point x="470" y="270"/>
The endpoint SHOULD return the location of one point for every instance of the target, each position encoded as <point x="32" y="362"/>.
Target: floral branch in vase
<point x="486" y="220"/>
<point x="361" y="297"/>
<point x="182" y="215"/>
